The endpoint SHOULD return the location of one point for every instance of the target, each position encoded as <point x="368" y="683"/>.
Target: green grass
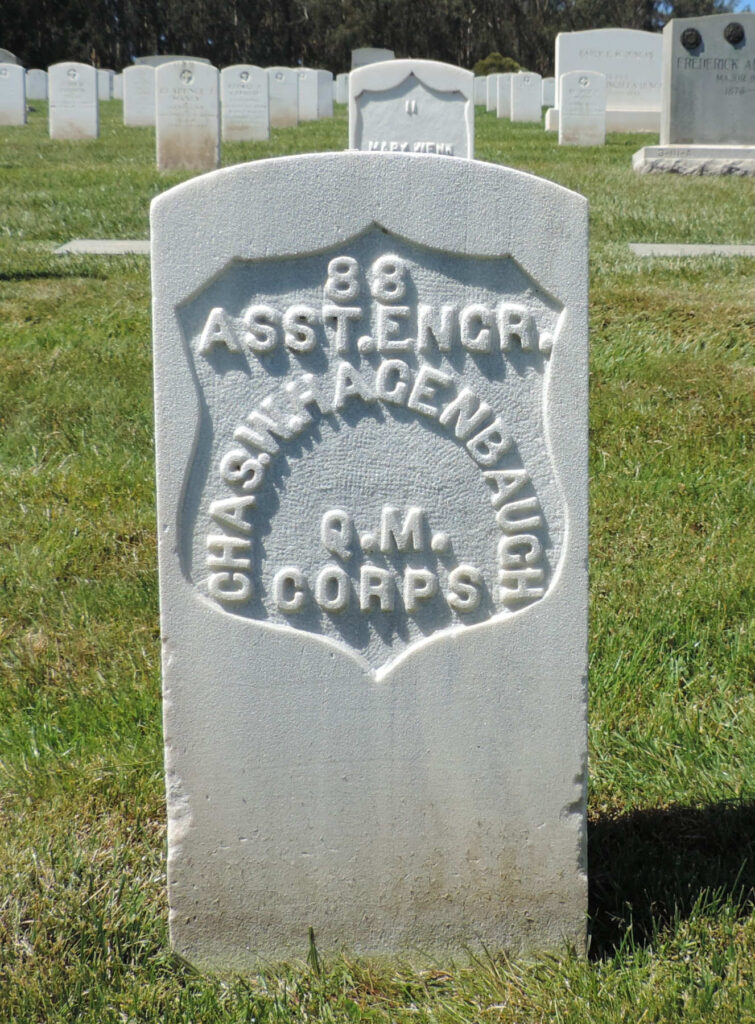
<point x="672" y="737"/>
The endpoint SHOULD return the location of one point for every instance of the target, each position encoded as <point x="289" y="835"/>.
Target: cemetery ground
<point x="83" y="914"/>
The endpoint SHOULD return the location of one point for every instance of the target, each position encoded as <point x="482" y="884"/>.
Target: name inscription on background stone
<point x="362" y="347"/>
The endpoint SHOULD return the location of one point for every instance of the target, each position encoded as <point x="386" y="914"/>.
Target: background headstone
<point x="6" y="57"/>
<point x="155" y="60"/>
<point x="139" y="95"/>
<point x="36" y="84"/>
<point x="284" y="97"/>
<point x="244" y="103"/>
<point x="324" y="94"/>
<point x="582" y="118"/>
<point x="118" y="86"/>
<point x="491" y="92"/>
<point x="526" y="93"/>
<point x="369" y="55"/>
<point x="12" y="94"/>
<point x="342" y="87"/>
<point x="73" y="108"/>
<point x="105" y="83"/>
<point x="709" y="80"/>
<point x="306" y="81"/>
<point x="549" y="92"/>
<point x="187" y="113"/>
<point x="480" y="90"/>
<point x="631" y="61"/>
<point x="371" y="442"/>
<point x="503" y="95"/>
<point x="419" y="106"/>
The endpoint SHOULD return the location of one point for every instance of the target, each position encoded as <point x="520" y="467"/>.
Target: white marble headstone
<point x="414" y="106"/>
<point x="526" y="94"/>
<point x="369" y="55"/>
<point x="139" y="95"/>
<point x="105" y="83"/>
<point x="549" y="92"/>
<point x="284" y="97"/>
<point x="244" y="103"/>
<point x="36" y="84"/>
<point x="480" y="90"/>
<point x="12" y="94"/>
<point x="324" y="94"/>
<point x="187" y="114"/>
<point x="503" y="94"/>
<point x="306" y="80"/>
<point x="371" y="442"/>
<point x="73" y="109"/>
<point x="631" y="61"/>
<point x="582" y="118"/>
<point x="342" y="87"/>
<point x="491" y="92"/>
<point x="709" y="80"/>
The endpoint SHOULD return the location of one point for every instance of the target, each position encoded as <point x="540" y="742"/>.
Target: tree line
<point x="317" y="33"/>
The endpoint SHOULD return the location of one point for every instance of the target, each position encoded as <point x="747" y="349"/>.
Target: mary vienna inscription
<point x="381" y="336"/>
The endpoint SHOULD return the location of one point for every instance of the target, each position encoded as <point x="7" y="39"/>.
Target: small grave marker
<point x="139" y="95"/>
<point x="12" y="94"/>
<point x="187" y="111"/>
<point x="245" y="103"/>
<point x="526" y="94"/>
<point x="582" y="120"/>
<point x="284" y="97"/>
<point x="36" y="84"/>
<point x="73" y="109"/>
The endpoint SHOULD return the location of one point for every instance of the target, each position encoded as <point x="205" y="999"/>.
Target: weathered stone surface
<point x="709" y="88"/>
<point x="369" y="55"/>
<point x="582" y="117"/>
<point x="284" y="97"/>
<point x="187" y="116"/>
<point x="36" y="84"/>
<point x="73" y="110"/>
<point x="694" y="160"/>
<point x="373" y="614"/>
<point x="245" y="103"/>
<point x="503" y="95"/>
<point x="139" y="95"/>
<point x="419" y="106"/>
<point x="526" y="93"/>
<point x="12" y="94"/>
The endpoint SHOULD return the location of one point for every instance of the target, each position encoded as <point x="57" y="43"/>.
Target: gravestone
<point x="139" y="95"/>
<point x="244" y="103"/>
<point x="187" y="116"/>
<point x="36" y="84"/>
<point x="708" y="114"/>
<point x="156" y="60"/>
<point x="306" y="81"/>
<point x="324" y="94"/>
<point x="118" y="86"/>
<point x="284" y="97"/>
<point x="342" y="87"/>
<point x="415" y="106"/>
<point x="526" y="93"/>
<point x="371" y="442"/>
<point x="480" y="90"/>
<point x="582" y="117"/>
<point x="73" y="110"/>
<point x="105" y="83"/>
<point x="6" y="57"/>
<point x="365" y="55"/>
<point x="12" y="94"/>
<point x="631" y="61"/>
<point x="549" y="92"/>
<point x="491" y="95"/>
<point x="503" y="97"/>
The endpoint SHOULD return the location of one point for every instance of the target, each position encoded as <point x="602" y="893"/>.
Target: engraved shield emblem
<point x="372" y="462"/>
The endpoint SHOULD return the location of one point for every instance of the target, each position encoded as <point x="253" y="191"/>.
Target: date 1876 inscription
<point x="378" y="466"/>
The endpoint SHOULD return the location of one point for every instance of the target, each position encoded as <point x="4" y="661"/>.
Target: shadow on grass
<point x="649" y="868"/>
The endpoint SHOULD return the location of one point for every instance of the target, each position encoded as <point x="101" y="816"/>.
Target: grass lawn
<point x="83" y="933"/>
